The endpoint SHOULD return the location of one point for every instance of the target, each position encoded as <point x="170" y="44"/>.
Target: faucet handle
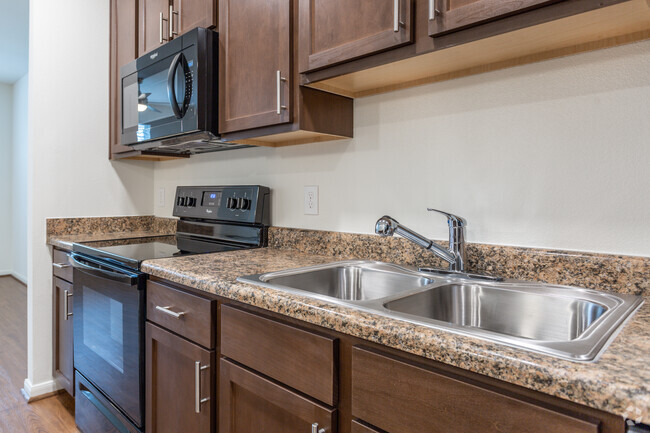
<point x="452" y="220"/>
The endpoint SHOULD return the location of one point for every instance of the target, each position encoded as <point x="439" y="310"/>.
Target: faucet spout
<point x="455" y="255"/>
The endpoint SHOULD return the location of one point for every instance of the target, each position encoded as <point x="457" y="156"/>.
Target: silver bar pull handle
<point x="314" y="428"/>
<point x="279" y="80"/>
<point x="396" y="15"/>
<point x="162" y="20"/>
<point x="60" y="265"/>
<point x="433" y="12"/>
<point x="198" y="401"/>
<point x="167" y="310"/>
<point x="66" y="309"/>
<point x="172" y="33"/>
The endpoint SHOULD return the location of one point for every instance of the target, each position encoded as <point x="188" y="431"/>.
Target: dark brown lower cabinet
<point x="357" y="427"/>
<point x="400" y="397"/>
<point x="251" y="403"/>
<point x="63" y="349"/>
<point x="180" y="386"/>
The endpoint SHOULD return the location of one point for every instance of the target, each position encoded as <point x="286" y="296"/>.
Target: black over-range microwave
<point x="170" y="97"/>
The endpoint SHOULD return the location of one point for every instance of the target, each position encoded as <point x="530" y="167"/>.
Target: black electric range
<point x="109" y="297"/>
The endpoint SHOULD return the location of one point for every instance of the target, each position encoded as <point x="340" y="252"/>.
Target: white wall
<point x="6" y="107"/>
<point x="19" y="180"/>
<point x="553" y="154"/>
<point x="69" y="173"/>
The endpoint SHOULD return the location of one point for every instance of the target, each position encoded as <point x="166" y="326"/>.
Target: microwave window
<point x="153" y="100"/>
<point x="130" y="114"/>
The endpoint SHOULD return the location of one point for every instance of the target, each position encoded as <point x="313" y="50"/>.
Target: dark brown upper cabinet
<point x="450" y="15"/>
<point x="254" y="64"/>
<point x="335" y="31"/>
<point x="456" y="38"/>
<point x="154" y="24"/>
<point x="163" y="20"/>
<point x="124" y="49"/>
<point x="189" y="14"/>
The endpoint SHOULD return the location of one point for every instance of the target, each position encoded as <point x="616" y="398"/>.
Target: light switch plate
<point x="311" y="200"/>
<point x="161" y="197"/>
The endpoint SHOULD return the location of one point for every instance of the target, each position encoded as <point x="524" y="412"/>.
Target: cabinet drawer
<point x="403" y="398"/>
<point x="300" y="359"/>
<point x="185" y="314"/>
<point x="61" y="266"/>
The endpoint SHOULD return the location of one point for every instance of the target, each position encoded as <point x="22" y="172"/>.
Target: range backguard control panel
<point x="241" y="204"/>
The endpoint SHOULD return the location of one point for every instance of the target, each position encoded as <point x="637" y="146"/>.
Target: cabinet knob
<point x="315" y="429"/>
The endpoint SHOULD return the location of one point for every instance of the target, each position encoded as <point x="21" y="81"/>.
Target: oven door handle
<point x="119" y="277"/>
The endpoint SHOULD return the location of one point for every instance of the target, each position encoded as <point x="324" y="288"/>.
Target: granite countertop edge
<point x="618" y="382"/>
<point x="65" y="242"/>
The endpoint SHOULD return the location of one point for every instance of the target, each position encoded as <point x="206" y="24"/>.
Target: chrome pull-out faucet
<point x="455" y="255"/>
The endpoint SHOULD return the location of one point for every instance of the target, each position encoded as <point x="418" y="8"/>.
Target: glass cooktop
<point x="132" y="252"/>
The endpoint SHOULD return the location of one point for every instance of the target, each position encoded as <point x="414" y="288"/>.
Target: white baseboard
<point x="20" y="278"/>
<point x="33" y="391"/>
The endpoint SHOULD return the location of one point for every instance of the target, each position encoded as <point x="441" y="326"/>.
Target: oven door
<point x="159" y="99"/>
<point x="109" y="332"/>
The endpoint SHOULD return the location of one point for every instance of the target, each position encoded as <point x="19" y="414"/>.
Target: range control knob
<point x="192" y="202"/>
<point x="181" y="201"/>
<point x="231" y="203"/>
<point x="243" y="203"/>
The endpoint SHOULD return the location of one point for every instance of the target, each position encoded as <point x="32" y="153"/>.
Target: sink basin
<point x="567" y="322"/>
<point x="351" y="281"/>
<point x="522" y="314"/>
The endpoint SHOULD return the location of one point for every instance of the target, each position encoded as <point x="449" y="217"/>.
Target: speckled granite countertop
<point x="619" y="382"/>
<point x="63" y="232"/>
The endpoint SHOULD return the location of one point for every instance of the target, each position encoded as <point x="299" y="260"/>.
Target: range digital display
<point x="211" y="198"/>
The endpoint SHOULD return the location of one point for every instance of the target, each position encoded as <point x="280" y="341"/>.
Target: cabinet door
<point x="63" y="348"/>
<point x="154" y="24"/>
<point x="180" y="384"/>
<point x="334" y="31"/>
<point x="250" y="403"/>
<point x="254" y="64"/>
<point x="124" y="48"/>
<point x="450" y="15"/>
<point x="189" y="14"/>
<point x="400" y="397"/>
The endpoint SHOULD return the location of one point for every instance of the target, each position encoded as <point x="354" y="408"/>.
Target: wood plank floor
<point x="50" y="415"/>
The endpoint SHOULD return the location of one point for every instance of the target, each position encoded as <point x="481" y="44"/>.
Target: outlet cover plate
<point x="311" y="200"/>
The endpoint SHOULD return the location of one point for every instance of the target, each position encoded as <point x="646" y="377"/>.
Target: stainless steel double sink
<point x="568" y="322"/>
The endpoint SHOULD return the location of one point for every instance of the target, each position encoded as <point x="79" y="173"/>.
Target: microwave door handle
<point x="189" y="84"/>
<point x="125" y="278"/>
<point x="171" y="86"/>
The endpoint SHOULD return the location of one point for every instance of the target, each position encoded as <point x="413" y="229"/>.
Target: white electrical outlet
<point x="311" y="200"/>
<point x="161" y="197"/>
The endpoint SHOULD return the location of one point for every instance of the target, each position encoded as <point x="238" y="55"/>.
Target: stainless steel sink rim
<point x="586" y="348"/>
